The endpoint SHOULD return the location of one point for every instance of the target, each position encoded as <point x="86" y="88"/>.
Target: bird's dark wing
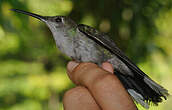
<point x="105" y="41"/>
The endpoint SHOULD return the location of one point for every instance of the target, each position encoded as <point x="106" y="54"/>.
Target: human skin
<point x="97" y="88"/>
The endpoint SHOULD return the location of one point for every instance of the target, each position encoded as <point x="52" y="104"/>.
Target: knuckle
<point x="74" y="93"/>
<point x="70" y="93"/>
<point x="83" y="71"/>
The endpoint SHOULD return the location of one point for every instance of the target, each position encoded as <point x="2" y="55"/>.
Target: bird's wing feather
<point x="105" y="41"/>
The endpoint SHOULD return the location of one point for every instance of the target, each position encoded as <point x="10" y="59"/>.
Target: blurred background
<point x="33" y="71"/>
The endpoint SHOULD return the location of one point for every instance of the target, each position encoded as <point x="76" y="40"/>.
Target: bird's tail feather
<point x="142" y="89"/>
<point x="156" y="87"/>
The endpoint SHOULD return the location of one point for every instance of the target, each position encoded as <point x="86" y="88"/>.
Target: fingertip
<point x="71" y="65"/>
<point x="108" y="67"/>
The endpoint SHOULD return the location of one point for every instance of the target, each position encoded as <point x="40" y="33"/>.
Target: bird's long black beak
<point x="42" y="18"/>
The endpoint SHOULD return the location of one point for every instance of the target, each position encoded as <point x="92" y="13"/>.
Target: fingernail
<point x="71" y="65"/>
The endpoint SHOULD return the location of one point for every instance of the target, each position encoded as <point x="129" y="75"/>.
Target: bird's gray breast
<point x="87" y="50"/>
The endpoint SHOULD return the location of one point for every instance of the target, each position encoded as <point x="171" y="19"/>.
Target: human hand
<point x="97" y="89"/>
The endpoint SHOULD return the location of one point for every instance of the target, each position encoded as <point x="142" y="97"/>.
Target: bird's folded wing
<point x="104" y="40"/>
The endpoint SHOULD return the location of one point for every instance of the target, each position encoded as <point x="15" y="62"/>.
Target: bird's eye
<point x="58" y="20"/>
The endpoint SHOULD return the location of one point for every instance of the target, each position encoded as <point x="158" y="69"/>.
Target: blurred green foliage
<point x="32" y="69"/>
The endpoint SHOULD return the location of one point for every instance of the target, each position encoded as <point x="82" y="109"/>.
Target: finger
<point x="70" y="67"/>
<point x="108" y="67"/>
<point x="106" y="89"/>
<point x="79" y="98"/>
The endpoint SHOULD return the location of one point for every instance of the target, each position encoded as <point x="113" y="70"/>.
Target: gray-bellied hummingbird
<point x="85" y="44"/>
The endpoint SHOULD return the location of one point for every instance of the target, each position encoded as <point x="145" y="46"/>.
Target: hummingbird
<point x="86" y="44"/>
